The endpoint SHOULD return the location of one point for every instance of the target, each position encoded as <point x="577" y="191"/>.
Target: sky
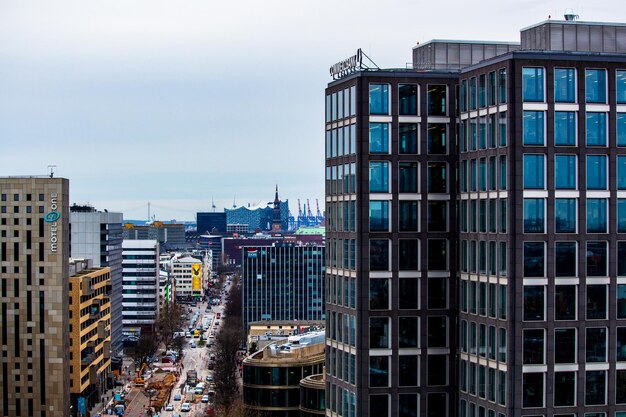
<point x="181" y="103"/>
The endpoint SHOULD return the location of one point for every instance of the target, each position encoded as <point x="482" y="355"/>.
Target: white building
<point x="141" y="286"/>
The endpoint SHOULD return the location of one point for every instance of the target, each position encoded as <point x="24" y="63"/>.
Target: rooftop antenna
<point x="148" y="211"/>
<point x="51" y="169"/>
<point x="213" y="205"/>
<point x="570" y="16"/>
<point x="234" y="205"/>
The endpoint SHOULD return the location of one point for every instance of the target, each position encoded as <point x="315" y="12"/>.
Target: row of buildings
<point x="477" y="211"/>
<point x="73" y="292"/>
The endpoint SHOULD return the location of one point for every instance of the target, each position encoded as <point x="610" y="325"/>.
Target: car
<point x="209" y="378"/>
<point x="205" y="398"/>
<point x="176" y="397"/>
<point x="193" y="344"/>
<point x="185" y="407"/>
<point x="169" y="407"/>
<point x="187" y="335"/>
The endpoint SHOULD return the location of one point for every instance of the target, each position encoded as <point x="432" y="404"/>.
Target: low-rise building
<point x="272" y="376"/>
<point x="90" y="331"/>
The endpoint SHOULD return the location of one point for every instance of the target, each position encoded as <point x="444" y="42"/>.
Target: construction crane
<point x="310" y="217"/>
<point x="319" y="216"/>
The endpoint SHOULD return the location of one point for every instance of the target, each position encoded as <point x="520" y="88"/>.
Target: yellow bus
<point x="196" y="333"/>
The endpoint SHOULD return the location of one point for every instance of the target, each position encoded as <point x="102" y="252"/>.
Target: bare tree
<point x="171" y="318"/>
<point x="146" y="347"/>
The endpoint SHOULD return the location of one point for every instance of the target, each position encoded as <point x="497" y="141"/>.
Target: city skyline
<point x="185" y="106"/>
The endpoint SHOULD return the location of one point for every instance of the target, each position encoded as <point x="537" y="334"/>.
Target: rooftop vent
<point x="570" y="16"/>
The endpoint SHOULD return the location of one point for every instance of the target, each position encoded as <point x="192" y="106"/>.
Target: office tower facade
<point x="207" y="221"/>
<point x="187" y="273"/>
<point x="282" y="282"/>
<point x="34" y="311"/>
<point x="519" y="252"/>
<point x="170" y="236"/>
<point x="97" y="235"/>
<point x="90" y="333"/>
<point x="141" y="286"/>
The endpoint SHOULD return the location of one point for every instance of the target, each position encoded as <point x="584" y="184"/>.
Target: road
<point x="196" y="359"/>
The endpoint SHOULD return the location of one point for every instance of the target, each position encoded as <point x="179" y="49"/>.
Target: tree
<point x="171" y="319"/>
<point x="146" y="347"/>
<point x="226" y="346"/>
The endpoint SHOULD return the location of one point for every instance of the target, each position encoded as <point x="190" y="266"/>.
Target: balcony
<point x="103" y="330"/>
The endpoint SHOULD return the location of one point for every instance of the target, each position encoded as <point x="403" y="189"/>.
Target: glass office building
<point x="475" y="229"/>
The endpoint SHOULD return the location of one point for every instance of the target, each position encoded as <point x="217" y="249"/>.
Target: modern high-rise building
<point x="34" y="302"/>
<point x="170" y="236"/>
<point x="97" y="235"/>
<point x="475" y="218"/>
<point x="211" y="223"/>
<point x="141" y="283"/>
<point x="282" y="282"/>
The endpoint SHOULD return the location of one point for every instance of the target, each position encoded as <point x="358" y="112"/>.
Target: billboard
<point x="196" y="277"/>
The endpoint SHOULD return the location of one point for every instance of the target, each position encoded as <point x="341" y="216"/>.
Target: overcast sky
<point x="180" y="102"/>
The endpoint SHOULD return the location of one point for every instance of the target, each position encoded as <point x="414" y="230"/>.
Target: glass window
<point x="408" y="366"/>
<point x="503" y="172"/>
<point x="410" y="288"/>
<point x="437" y="143"/>
<point x="533" y="347"/>
<point x="564" y="345"/>
<point x="437" y="331"/>
<point x="621" y="344"/>
<point x="564" y="302"/>
<point x="379" y="294"/>
<point x="482" y="90"/>
<point x="437" y="254"/>
<point x="502" y="85"/>
<point x="379" y="177"/>
<point x="491" y="92"/>
<point x="621" y="172"/>
<point x="597" y="215"/>
<point x="620" y="391"/>
<point x="379" y="403"/>
<point x="502" y="130"/>
<point x="437" y="372"/>
<point x="463" y="95"/>
<point x="597" y="259"/>
<point x="379" y="254"/>
<point x="534" y="168"/>
<point x="328" y="108"/>
<point x="596" y="302"/>
<point x="437" y="177"/>
<point x="437" y="100"/>
<point x="621" y="259"/>
<point x="565" y="128"/>
<point x="620" y="84"/>
<point x="565" y="259"/>
<point x="595" y="387"/>
<point x="407" y="138"/>
<point x="595" y="344"/>
<point x="408" y="405"/>
<point x="564" y="389"/>
<point x="379" y="137"/>
<point x="408" y="255"/>
<point x="407" y="216"/>
<point x="595" y="85"/>
<point x="565" y="215"/>
<point x="534" y="303"/>
<point x="379" y="99"/>
<point x="565" y="85"/>
<point x="379" y="216"/>
<point x="472" y="94"/>
<point x="340" y="105"/>
<point x="621" y="129"/>
<point x="534" y="128"/>
<point x="565" y="172"/>
<point x="596" y="129"/>
<point x="437" y="216"/>
<point x="379" y="372"/>
<point x="379" y="332"/>
<point x="532" y="82"/>
<point x="621" y="215"/>
<point x="534" y="215"/>
<point x="482" y="174"/>
<point x="596" y="172"/>
<point x="407" y="94"/>
<point x="408" y="332"/>
<point x="407" y="181"/>
<point x="353" y="100"/>
<point x="533" y="389"/>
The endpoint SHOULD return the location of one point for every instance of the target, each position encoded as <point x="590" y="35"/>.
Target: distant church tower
<point x="276" y="214"/>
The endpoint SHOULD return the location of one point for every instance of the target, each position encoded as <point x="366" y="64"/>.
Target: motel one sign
<point x="52" y="217"/>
